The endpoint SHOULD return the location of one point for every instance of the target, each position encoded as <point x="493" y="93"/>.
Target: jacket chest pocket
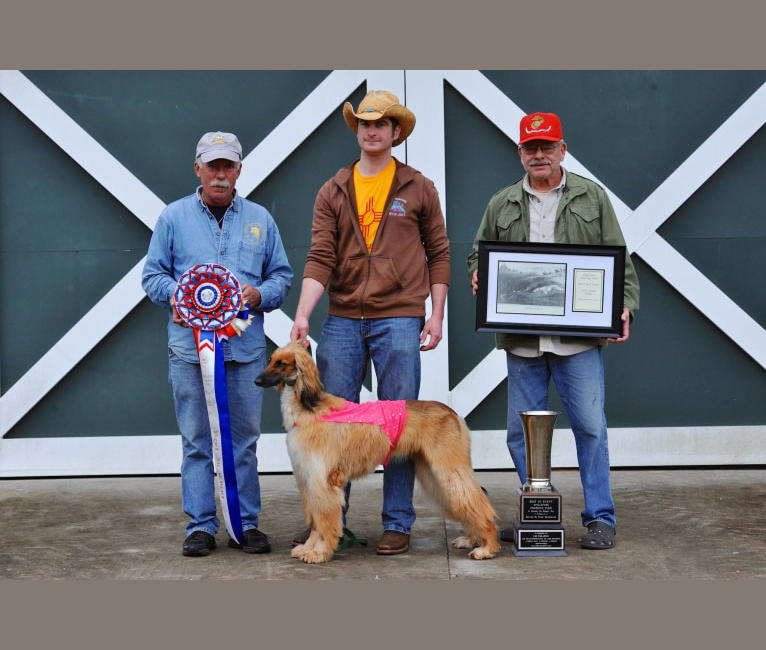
<point x="509" y="224"/>
<point x="583" y="223"/>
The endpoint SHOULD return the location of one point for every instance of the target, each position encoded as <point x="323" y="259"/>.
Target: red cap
<point x="540" y="126"/>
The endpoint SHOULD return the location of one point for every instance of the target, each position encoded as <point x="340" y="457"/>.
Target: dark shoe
<point x="393" y="542"/>
<point x="199" y="543"/>
<point x="600" y="536"/>
<point x="255" y="542"/>
<point x="506" y="534"/>
<point x="302" y="538"/>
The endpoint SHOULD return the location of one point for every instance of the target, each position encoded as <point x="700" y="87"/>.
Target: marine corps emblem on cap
<point x="540" y="126"/>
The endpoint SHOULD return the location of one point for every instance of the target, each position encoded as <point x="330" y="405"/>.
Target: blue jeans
<point x="197" y="478"/>
<point x="579" y="379"/>
<point x="344" y="350"/>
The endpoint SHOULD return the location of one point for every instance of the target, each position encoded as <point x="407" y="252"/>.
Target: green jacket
<point x="585" y="216"/>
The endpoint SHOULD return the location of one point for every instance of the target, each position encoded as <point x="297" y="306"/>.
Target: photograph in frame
<point x="531" y="287"/>
<point x="550" y="289"/>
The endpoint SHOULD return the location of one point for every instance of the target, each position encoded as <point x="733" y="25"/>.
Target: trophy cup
<point x="538" y="530"/>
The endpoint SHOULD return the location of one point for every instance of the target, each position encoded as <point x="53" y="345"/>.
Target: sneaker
<point x="255" y="542"/>
<point x="600" y="536"/>
<point x="199" y="543"/>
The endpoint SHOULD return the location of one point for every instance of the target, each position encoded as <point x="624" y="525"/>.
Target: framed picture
<point x="551" y="289"/>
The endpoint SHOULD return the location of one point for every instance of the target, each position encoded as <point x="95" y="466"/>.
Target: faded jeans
<point x="197" y="478"/>
<point x="579" y="380"/>
<point x="345" y="347"/>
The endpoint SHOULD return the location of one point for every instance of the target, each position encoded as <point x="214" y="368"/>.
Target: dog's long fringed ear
<point x="307" y="385"/>
<point x="305" y="343"/>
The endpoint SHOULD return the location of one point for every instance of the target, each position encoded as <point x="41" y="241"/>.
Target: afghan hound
<point x="325" y="455"/>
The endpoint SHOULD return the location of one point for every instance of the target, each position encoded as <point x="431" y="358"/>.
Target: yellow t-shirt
<point x="371" y="195"/>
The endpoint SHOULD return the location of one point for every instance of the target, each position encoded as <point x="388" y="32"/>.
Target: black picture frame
<point x="550" y="289"/>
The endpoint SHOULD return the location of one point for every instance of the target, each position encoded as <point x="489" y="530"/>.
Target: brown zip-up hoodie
<point x="409" y="254"/>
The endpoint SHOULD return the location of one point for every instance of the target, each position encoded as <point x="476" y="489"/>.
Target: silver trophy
<point x="538" y="530"/>
<point x="538" y="439"/>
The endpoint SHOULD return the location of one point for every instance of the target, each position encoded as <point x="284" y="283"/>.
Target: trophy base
<point x="538" y="539"/>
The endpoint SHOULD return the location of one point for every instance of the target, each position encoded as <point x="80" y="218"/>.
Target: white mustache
<point x="224" y="184"/>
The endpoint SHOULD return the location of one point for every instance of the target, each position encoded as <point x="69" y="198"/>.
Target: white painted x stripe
<point x="81" y="146"/>
<point x="423" y="88"/>
<point x="639" y="226"/>
<point x="119" y="181"/>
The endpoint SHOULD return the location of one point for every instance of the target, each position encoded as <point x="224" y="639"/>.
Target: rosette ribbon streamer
<point x="209" y="299"/>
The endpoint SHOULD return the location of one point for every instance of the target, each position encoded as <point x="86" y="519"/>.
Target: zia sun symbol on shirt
<point x="369" y="217"/>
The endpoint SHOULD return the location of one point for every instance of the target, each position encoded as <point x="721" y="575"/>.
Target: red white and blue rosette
<point x="209" y="299"/>
<point x="208" y="296"/>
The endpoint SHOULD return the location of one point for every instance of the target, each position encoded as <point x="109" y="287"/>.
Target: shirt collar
<point x="232" y="206"/>
<point x="530" y="190"/>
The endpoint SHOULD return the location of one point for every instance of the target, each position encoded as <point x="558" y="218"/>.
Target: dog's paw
<point x="298" y="551"/>
<point x="463" y="542"/>
<point x="316" y="556"/>
<point x="481" y="553"/>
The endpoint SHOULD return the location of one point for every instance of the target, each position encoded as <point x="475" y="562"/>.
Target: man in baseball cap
<point x="551" y="204"/>
<point x="215" y="224"/>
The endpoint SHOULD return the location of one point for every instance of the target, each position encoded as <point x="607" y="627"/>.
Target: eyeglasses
<point x="548" y="147"/>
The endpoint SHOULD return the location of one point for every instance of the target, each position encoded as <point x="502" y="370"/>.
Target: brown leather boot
<point x="393" y="542"/>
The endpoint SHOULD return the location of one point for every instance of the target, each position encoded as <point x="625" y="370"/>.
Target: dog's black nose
<point x="265" y="380"/>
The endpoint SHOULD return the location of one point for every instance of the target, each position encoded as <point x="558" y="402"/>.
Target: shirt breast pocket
<point x="250" y="261"/>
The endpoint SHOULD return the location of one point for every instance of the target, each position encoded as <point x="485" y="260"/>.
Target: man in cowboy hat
<point x="379" y="246"/>
<point x="551" y="204"/>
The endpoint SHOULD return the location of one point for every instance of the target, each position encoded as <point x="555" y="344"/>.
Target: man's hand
<point x="300" y="330"/>
<point x="625" y="327"/>
<point x="176" y="316"/>
<point x="433" y="327"/>
<point x="250" y="295"/>
<point x="475" y="282"/>
<point x="311" y="292"/>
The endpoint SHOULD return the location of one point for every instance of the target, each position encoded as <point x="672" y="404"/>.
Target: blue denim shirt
<point x="248" y="244"/>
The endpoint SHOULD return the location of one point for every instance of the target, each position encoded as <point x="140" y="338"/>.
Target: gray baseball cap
<point x="215" y="144"/>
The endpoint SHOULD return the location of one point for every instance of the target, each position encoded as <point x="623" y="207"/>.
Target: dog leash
<point x="349" y="539"/>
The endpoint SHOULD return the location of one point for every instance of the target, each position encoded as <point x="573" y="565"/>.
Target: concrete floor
<point x="700" y="524"/>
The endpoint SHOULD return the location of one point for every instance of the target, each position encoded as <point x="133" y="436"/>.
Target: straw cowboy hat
<point x="377" y="104"/>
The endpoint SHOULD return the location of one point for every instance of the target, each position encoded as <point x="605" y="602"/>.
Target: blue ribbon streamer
<point x="227" y="448"/>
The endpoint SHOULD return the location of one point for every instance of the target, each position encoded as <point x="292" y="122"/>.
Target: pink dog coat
<point x="390" y="415"/>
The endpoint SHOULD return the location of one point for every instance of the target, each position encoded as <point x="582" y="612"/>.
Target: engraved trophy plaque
<point x="538" y="530"/>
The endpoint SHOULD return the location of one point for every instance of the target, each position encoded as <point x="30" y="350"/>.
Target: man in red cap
<point x="550" y="204"/>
